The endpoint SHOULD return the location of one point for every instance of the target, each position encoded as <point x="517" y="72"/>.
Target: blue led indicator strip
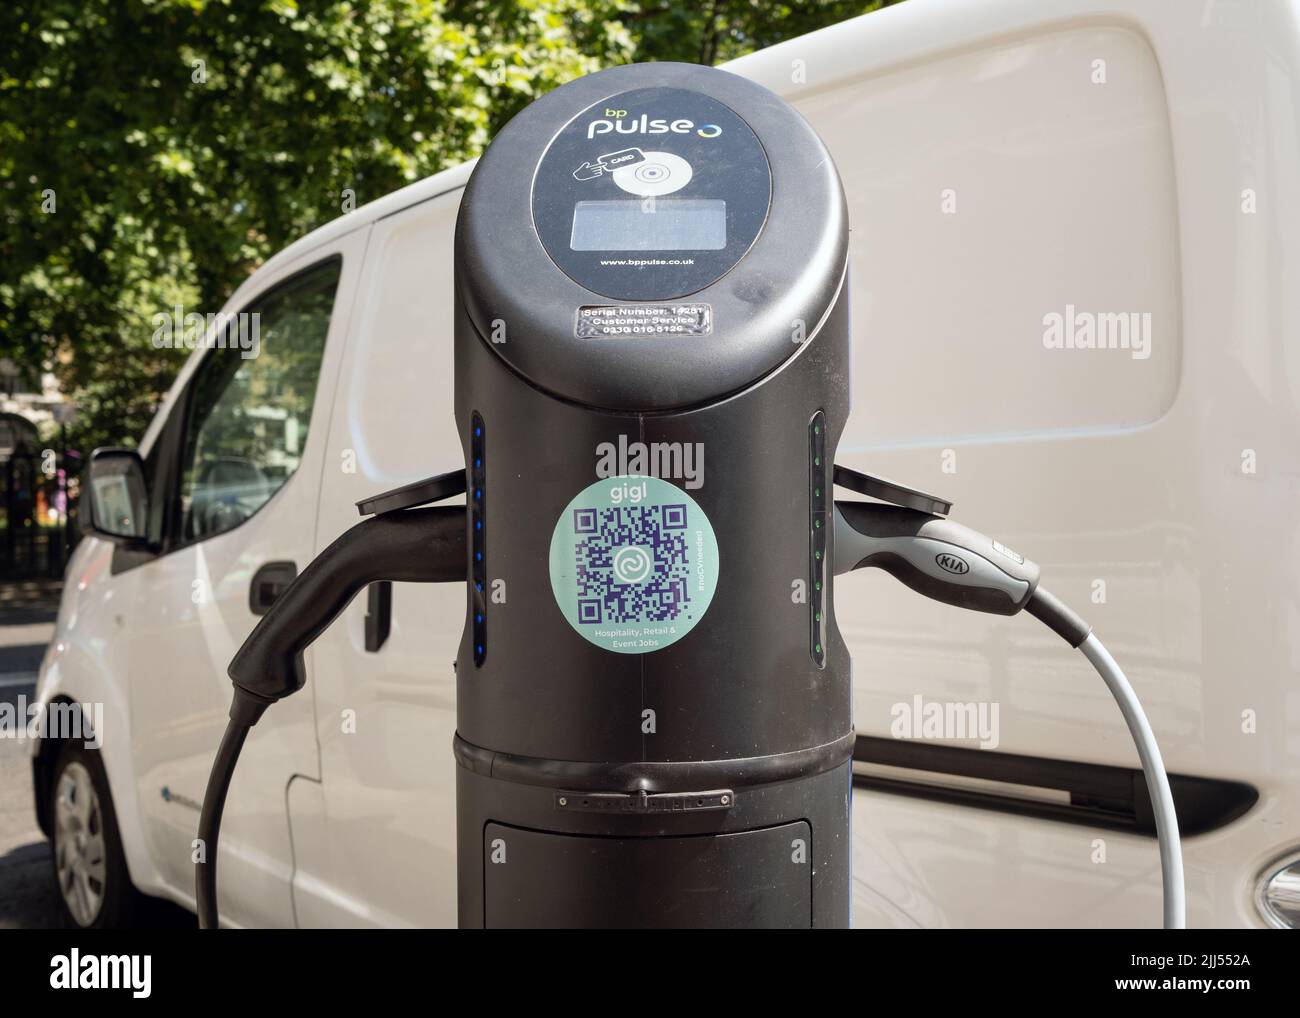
<point x="478" y="536"/>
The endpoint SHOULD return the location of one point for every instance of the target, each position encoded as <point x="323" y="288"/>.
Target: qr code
<point x="631" y="564"/>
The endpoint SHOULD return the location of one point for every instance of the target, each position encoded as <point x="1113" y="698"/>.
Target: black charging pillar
<point x="652" y="345"/>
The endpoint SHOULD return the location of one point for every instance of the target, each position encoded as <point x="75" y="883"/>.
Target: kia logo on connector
<point x="952" y="563"/>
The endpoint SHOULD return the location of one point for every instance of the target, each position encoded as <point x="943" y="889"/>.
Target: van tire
<point x="90" y="873"/>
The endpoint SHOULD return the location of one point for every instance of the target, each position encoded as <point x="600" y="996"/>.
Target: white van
<point x="1021" y="175"/>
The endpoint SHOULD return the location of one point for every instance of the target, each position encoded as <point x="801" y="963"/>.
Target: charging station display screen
<point x="666" y="224"/>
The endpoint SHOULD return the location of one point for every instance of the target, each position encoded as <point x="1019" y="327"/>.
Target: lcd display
<point x="650" y="224"/>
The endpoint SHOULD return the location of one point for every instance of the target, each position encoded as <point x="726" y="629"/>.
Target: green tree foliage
<point x="154" y="152"/>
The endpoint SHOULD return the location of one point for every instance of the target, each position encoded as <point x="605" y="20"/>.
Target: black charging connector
<point x="414" y="546"/>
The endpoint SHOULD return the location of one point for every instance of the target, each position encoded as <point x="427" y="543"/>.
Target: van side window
<point x="250" y="405"/>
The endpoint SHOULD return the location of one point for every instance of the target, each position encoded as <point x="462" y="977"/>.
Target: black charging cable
<point x="245" y="711"/>
<point x="412" y="546"/>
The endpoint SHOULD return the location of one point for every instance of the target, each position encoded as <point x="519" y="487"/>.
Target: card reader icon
<point x="608" y="163"/>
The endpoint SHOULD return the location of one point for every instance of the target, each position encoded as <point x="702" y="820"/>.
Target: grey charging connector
<point x="949" y="562"/>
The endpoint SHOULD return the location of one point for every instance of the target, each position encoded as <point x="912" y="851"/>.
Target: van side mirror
<point x="118" y="497"/>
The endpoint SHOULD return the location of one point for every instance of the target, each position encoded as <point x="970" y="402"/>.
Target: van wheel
<point x="95" y="889"/>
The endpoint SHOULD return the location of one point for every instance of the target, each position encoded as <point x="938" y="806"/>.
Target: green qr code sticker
<point x="634" y="564"/>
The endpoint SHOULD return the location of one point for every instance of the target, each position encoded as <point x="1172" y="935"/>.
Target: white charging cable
<point x="1153" y="769"/>
<point x="951" y="563"/>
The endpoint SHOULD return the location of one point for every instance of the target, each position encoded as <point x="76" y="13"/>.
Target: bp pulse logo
<point x="616" y="121"/>
<point x="634" y="563"/>
<point x="952" y="563"/>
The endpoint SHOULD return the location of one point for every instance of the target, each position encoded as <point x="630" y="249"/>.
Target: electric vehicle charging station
<point x="652" y="363"/>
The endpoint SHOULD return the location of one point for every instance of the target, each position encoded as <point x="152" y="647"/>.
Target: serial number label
<point x="600" y="321"/>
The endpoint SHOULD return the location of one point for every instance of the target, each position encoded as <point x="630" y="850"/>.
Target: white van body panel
<point x="1004" y="162"/>
<point x="87" y="664"/>
<point x="385" y="720"/>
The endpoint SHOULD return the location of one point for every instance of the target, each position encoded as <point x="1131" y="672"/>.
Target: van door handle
<point x="268" y="584"/>
<point x="379" y="614"/>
